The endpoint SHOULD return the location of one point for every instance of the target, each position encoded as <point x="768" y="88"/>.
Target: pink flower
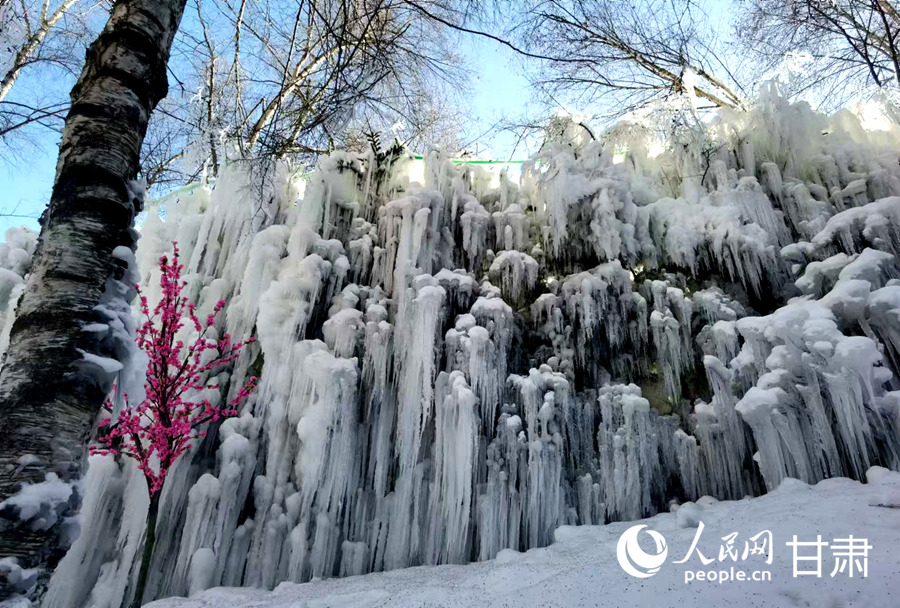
<point x="159" y="429"/>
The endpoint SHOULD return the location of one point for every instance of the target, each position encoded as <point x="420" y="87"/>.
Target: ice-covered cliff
<point x="457" y="362"/>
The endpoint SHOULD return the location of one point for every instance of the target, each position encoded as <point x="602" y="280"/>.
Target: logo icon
<point x="634" y="560"/>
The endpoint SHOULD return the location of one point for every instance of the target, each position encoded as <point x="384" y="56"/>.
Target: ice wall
<point x="449" y="369"/>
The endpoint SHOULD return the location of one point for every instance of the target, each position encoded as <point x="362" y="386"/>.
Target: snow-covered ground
<point x="581" y="569"/>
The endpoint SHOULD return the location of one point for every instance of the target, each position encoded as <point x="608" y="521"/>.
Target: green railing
<point x="463" y="161"/>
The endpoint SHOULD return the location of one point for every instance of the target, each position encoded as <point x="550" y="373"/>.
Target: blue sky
<point x="26" y="178"/>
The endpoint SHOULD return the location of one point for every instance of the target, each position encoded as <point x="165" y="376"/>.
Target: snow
<point x="580" y="567"/>
<point x="874" y="223"/>
<point x="689" y="515"/>
<point x="19" y="580"/>
<point x="40" y="503"/>
<point x="107" y="364"/>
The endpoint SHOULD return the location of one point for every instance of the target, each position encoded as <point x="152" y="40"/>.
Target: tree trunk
<point x="50" y="394"/>
<point x="147" y="556"/>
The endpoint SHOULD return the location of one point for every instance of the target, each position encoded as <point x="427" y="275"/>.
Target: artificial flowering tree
<point x="156" y="431"/>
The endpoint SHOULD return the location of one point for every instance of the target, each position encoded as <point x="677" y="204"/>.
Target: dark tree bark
<point x="49" y="394"/>
<point x="147" y="554"/>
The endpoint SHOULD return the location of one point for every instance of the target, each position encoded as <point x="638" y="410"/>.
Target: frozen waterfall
<point x="460" y="362"/>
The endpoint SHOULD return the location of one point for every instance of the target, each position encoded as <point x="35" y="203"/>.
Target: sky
<point x="25" y="183"/>
<point x="26" y="178"/>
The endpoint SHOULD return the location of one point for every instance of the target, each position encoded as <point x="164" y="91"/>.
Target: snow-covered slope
<point x="580" y="568"/>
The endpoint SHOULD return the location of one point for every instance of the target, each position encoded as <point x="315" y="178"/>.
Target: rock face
<point x="457" y="366"/>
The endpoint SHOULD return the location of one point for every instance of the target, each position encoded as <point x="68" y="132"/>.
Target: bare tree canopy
<point x="253" y="78"/>
<point x="852" y="43"/>
<point x="627" y="53"/>
<point x="34" y="35"/>
<point x="274" y="78"/>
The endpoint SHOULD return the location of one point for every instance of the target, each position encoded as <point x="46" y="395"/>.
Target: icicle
<point x="455" y="451"/>
<point x="516" y="273"/>
<point x="415" y="403"/>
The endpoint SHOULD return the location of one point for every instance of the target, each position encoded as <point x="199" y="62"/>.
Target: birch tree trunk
<point x="50" y="394"/>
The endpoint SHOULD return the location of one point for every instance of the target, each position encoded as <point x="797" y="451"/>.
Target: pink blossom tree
<point x="159" y="429"/>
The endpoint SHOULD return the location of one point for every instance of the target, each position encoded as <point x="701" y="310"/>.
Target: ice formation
<point x="15" y="262"/>
<point x="456" y="367"/>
